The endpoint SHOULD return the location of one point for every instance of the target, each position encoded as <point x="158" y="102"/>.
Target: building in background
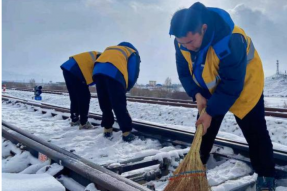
<point x="152" y="83"/>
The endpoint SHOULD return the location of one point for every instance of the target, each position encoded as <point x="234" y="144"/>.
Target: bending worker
<point x="219" y="67"/>
<point x="77" y="72"/>
<point x="116" y="72"/>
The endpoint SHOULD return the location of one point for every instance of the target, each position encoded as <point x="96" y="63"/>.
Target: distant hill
<point x="276" y="86"/>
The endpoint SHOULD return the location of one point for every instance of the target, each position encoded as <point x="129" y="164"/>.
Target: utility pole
<point x="277" y="72"/>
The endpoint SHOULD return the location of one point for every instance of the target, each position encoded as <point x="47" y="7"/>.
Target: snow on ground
<point x="28" y="182"/>
<point x="23" y="172"/>
<point x="17" y="163"/>
<point x="91" y="145"/>
<point x="218" y="177"/>
<point x="179" y="117"/>
<point x="226" y="176"/>
<point x="276" y="86"/>
<point x="277" y="102"/>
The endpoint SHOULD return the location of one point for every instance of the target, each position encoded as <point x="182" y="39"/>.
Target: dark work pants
<point x="112" y="96"/>
<point x="80" y="97"/>
<point x="254" y="129"/>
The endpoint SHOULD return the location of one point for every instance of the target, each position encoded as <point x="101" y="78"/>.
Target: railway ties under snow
<point x="81" y="170"/>
<point x="173" y="136"/>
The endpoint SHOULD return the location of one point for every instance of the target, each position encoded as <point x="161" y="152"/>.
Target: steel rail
<point x="93" y="172"/>
<point x="269" y="111"/>
<point x="170" y="134"/>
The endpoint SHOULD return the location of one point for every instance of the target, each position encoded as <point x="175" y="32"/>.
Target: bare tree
<point x="167" y="83"/>
<point x="32" y="83"/>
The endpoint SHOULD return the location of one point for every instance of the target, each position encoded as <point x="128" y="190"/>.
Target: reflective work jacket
<point x="86" y="63"/>
<point x="119" y="57"/>
<point x="82" y="65"/>
<point x="209" y="59"/>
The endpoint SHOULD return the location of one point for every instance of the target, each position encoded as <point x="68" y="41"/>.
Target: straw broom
<point x="190" y="175"/>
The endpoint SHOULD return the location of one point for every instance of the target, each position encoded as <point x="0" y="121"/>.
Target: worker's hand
<point x="205" y="120"/>
<point x="201" y="102"/>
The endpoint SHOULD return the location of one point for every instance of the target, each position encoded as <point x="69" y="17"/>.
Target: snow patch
<point x="28" y="182"/>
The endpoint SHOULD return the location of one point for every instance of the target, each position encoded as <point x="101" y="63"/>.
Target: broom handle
<point x="195" y="147"/>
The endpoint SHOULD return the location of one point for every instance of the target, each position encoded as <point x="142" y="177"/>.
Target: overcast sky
<point x="39" y="35"/>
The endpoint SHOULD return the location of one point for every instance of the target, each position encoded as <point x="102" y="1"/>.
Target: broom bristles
<point x="190" y="175"/>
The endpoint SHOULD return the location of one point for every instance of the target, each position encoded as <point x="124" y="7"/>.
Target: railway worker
<point x="77" y="72"/>
<point x="219" y="67"/>
<point x="116" y="72"/>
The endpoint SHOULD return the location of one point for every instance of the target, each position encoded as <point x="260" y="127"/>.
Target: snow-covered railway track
<point x="162" y="133"/>
<point x="175" y="137"/>
<point x="269" y="111"/>
<point x="81" y="170"/>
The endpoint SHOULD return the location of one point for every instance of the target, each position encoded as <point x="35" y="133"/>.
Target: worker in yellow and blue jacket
<point x="116" y="72"/>
<point x="77" y="72"/>
<point x="220" y="68"/>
